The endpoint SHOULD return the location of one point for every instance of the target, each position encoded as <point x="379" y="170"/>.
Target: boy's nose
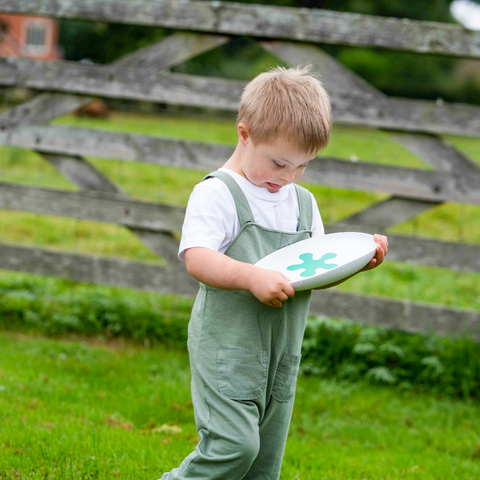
<point x="288" y="176"/>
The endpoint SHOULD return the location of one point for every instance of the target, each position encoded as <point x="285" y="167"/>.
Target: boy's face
<point x="271" y="165"/>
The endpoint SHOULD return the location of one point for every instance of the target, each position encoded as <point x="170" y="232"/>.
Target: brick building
<point x="29" y="37"/>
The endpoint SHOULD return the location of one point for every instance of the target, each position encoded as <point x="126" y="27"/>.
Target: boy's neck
<point x="234" y="162"/>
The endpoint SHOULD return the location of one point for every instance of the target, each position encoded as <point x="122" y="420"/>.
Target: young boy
<point x="247" y="324"/>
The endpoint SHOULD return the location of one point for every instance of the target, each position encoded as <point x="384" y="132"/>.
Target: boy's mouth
<point x="274" y="186"/>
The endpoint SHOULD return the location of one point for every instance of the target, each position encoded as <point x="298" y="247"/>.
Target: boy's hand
<point x="382" y="249"/>
<point x="271" y="287"/>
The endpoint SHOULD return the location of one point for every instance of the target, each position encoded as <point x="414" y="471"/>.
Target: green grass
<point x="70" y="409"/>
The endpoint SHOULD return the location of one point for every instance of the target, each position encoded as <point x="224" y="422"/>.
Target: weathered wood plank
<point x="117" y="82"/>
<point x="395" y="314"/>
<point x="434" y="253"/>
<point x="164" y="244"/>
<point x="404" y="182"/>
<point x="42" y="108"/>
<point x="401" y="315"/>
<point x="81" y="173"/>
<point x="122" y="146"/>
<point x="92" y="205"/>
<point x="87" y="177"/>
<point x="172" y="50"/>
<point x="422" y="251"/>
<point x="114" y="208"/>
<point x="340" y="81"/>
<point x="336" y="78"/>
<point x="404" y="114"/>
<point x="169" y="51"/>
<point x="436" y="151"/>
<point x="387" y="213"/>
<point x="98" y="270"/>
<point x="304" y="24"/>
<point x="350" y="108"/>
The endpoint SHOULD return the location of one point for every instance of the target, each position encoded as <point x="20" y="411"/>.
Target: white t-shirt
<point x="211" y="218"/>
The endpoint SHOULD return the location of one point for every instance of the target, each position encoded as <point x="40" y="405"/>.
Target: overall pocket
<point x="241" y="372"/>
<point x="286" y="377"/>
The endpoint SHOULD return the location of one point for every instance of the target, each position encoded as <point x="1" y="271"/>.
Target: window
<point x="36" y="37"/>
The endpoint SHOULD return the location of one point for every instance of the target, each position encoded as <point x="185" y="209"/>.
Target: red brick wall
<point x="13" y="41"/>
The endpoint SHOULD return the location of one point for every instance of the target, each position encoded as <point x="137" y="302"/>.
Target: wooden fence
<point x="291" y="34"/>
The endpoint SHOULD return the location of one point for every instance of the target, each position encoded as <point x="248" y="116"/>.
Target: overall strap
<point x="243" y="208"/>
<point x="305" y="208"/>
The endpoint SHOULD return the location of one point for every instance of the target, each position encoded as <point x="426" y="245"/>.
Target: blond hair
<point x="288" y="102"/>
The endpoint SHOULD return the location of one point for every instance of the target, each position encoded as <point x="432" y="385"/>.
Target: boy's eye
<point x="277" y="164"/>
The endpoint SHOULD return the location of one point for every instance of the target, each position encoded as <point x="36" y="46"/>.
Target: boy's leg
<point x="273" y="438"/>
<point x="229" y="437"/>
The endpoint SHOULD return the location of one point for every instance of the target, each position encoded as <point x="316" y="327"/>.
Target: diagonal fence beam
<point x="41" y="109"/>
<point x="436" y="151"/>
<point x="172" y="50"/>
<point x="169" y="51"/>
<point x="87" y="177"/>
<point x="340" y="80"/>
<point x="399" y="315"/>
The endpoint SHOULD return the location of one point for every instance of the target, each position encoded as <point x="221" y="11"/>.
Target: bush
<point x="331" y="347"/>
<point x="57" y="307"/>
<point x="343" y="349"/>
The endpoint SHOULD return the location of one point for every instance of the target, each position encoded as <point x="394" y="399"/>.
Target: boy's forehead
<point x="287" y="150"/>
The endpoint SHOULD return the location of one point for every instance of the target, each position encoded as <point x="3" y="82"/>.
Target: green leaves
<point x="337" y="348"/>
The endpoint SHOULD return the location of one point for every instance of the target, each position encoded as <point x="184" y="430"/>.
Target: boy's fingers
<point x="382" y="241"/>
<point x="284" y="277"/>
<point x="289" y="290"/>
<point x="283" y="296"/>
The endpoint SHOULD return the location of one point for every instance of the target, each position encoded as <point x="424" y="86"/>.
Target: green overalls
<point x="244" y="358"/>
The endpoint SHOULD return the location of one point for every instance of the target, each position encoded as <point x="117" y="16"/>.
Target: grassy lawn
<point x="83" y="408"/>
<point x="76" y="409"/>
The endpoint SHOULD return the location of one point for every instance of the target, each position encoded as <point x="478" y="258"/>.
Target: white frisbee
<point x="321" y="260"/>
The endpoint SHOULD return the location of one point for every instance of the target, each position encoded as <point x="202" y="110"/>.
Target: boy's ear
<point x="243" y="135"/>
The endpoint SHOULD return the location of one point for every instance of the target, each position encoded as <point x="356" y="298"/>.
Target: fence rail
<point x="396" y="314"/>
<point x="143" y="75"/>
<point x="320" y="26"/>
<point x="413" y="183"/>
<point x="151" y="85"/>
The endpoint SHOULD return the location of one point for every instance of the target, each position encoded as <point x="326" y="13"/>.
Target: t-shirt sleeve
<point x="209" y="221"/>
<point x="317" y="223"/>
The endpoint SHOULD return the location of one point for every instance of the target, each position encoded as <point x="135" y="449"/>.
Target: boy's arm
<point x="220" y="271"/>
<point x="217" y="270"/>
